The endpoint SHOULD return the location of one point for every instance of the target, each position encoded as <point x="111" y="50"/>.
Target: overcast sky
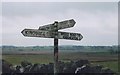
<point x="96" y="21"/>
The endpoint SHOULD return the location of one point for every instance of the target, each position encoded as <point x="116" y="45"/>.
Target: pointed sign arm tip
<point x="22" y="31"/>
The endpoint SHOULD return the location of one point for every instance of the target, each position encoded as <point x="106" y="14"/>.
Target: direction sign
<point x="70" y="36"/>
<point x="51" y="34"/>
<point x="61" y="25"/>
<point x="51" y="31"/>
<point x="37" y="33"/>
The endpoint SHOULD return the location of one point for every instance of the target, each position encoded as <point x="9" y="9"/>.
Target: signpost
<point x="51" y="31"/>
<point x="60" y="25"/>
<point x="50" y="34"/>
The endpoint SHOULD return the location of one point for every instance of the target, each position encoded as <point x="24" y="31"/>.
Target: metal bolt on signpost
<point x="51" y="31"/>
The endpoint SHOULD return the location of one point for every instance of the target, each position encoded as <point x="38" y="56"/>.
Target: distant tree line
<point x="111" y="49"/>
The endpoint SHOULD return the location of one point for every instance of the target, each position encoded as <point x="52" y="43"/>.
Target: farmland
<point x="102" y="58"/>
<point x="97" y="55"/>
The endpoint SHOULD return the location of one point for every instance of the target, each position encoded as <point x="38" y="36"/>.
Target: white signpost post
<point x="51" y="31"/>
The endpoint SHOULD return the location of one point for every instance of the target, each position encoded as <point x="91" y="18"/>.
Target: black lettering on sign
<point x="65" y="36"/>
<point x="26" y="32"/>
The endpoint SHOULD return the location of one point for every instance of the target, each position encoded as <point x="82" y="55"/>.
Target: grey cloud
<point x="119" y="23"/>
<point x="31" y="8"/>
<point x="93" y="21"/>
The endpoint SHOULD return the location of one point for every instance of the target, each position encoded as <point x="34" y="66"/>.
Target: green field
<point x="110" y="64"/>
<point x="16" y="59"/>
<point x="105" y="59"/>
